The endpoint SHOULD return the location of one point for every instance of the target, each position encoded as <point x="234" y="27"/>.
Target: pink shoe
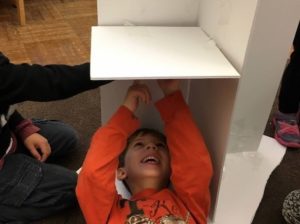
<point x="286" y="130"/>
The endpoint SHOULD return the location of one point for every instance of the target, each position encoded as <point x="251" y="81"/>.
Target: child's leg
<point x="286" y="119"/>
<point x="62" y="138"/>
<point x="31" y="190"/>
<point x="289" y="95"/>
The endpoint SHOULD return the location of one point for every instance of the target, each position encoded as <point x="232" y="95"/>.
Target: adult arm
<point x="42" y="82"/>
<point x="96" y="191"/>
<point x="191" y="164"/>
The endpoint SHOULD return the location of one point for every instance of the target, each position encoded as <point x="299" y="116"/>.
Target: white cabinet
<point x="135" y="52"/>
<point x="204" y="42"/>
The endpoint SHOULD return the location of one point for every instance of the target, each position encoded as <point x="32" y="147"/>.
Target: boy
<point x="150" y="163"/>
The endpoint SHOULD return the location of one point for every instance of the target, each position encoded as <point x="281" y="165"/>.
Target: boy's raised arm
<point x="96" y="189"/>
<point x="191" y="164"/>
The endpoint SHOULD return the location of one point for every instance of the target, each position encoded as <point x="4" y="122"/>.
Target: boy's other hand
<point x="169" y="86"/>
<point x="38" y="146"/>
<point x="136" y="92"/>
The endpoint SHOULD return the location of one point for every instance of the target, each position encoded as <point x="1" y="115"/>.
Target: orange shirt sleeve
<point x="96" y="191"/>
<point x="190" y="160"/>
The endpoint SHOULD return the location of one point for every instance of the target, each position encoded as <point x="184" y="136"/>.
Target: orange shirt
<point x="189" y="199"/>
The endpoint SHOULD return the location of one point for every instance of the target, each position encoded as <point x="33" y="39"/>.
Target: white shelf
<point x="147" y="52"/>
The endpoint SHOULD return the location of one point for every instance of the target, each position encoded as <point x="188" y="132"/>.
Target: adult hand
<point x="169" y="86"/>
<point x="136" y="92"/>
<point x="38" y="146"/>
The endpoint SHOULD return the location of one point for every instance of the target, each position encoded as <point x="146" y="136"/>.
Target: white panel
<point x="244" y="179"/>
<point x="145" y="12"/>
<point x="229" y="23"/>
<point x="211" y="101"/>
<point x="137" y="52"/>
<point x="270" y="40"/>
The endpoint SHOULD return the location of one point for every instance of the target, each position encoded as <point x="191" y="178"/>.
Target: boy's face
<point x="146" y="157"/>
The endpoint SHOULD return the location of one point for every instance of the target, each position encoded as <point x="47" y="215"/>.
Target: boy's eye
<point x="161" y="145"/>
<point x="138" y="144"/>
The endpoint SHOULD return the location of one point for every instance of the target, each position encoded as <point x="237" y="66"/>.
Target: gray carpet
<point x="284" y="179"/>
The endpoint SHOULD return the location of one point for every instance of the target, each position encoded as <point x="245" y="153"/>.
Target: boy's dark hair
<point x="140" y="132"/>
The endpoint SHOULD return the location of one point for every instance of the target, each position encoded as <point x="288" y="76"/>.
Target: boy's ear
<point x="121" y="173"/>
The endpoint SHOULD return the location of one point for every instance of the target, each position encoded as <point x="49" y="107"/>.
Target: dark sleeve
<point x="14" y="120"/>
<point x="21" y="127"/>
<point x="296" y="41"/>
<point x="42" y="83"/>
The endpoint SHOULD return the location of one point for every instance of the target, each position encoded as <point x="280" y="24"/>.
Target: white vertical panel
<point x="271" y="36"/>
<point x="255" y="36"/>
<point x="145" y="12"/>
<point x="229" y="23"/>
<point x="211" y="102"/>
<point x="244" y="180"/>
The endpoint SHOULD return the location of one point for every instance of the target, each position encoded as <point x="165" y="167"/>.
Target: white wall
<point x="145" y="12"/>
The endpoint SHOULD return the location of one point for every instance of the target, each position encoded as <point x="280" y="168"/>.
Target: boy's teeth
<point x="150" y="159"/>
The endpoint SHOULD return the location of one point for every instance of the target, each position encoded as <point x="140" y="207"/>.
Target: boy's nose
<point x="151" y="146"/>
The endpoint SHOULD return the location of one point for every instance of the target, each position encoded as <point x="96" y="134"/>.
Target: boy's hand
<point x="38" y="146"/>
<point x="169" y="86"/>
<point x="137" y="92"/>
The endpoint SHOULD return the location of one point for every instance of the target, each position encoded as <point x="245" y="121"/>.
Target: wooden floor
<point x="56" y="31"/>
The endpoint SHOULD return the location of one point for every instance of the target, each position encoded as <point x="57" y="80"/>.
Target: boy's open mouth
<point x="151" y="160"/>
